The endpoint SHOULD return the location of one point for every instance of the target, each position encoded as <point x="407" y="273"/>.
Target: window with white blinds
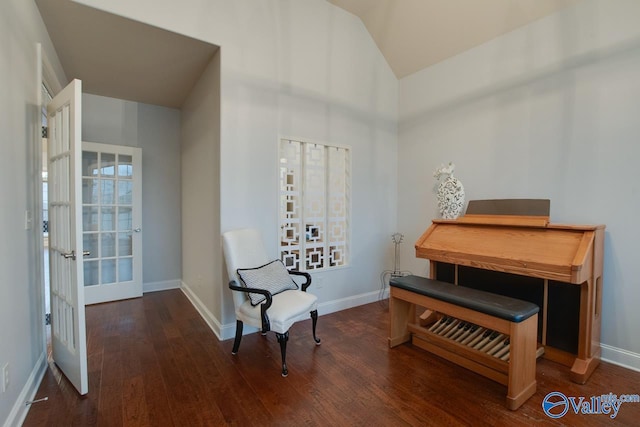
<point x="315" y="187"/>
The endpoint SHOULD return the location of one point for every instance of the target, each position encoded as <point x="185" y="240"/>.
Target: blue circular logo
<point x="555" y="404"/>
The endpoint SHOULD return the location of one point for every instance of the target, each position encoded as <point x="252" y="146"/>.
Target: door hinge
<point x="45" y="131"/>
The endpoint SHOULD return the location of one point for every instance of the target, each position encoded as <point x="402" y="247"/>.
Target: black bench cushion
<point x="511" y="309"/>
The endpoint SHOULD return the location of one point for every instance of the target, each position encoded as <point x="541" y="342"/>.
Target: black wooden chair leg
<point x="236" y="342"/>
<point x="314" y="322"/>
<point x="282" y="339"/>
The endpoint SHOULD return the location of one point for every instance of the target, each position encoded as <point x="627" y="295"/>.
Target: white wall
<point x="21" y="303"/>
<point x="200" y="157"/>
<point x="314" y="74"/>
<point x="547" y="111"/>
<point x="156" y="130"/>
<point x="306" y="69"/>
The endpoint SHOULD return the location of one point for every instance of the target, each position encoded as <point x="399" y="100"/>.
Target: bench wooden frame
<point x="518" y="374"/>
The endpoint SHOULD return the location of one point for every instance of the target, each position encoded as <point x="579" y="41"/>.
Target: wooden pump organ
<point x="509" y="248"/>
<point x="556" y="266"/>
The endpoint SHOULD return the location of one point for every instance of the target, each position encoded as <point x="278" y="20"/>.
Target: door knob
<point x="137" y="230"/>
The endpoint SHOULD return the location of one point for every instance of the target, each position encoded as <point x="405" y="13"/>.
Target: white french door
<point x="111" y="222"/>
<point x="68" y="333"/>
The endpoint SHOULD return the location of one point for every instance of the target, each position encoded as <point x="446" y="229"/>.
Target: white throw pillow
<point x="272" y="277"/>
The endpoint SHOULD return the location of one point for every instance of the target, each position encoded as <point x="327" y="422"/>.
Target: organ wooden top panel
<point x="538" y="249"/>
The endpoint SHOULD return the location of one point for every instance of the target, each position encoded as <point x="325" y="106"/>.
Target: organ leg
<point x="588" y="357"/>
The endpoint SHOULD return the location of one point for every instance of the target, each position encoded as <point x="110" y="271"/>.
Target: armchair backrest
<point x="243" y="249"/>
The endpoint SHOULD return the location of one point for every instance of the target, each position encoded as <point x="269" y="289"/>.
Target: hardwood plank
<point x="134" y="405"/>
<point x="155" y="362"/>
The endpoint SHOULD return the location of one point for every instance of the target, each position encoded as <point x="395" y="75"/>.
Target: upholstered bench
<point x="493" y="335"/>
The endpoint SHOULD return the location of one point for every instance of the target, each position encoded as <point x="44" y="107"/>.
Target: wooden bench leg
<point x="401" y="313"/>
<point x="522" y="362"/>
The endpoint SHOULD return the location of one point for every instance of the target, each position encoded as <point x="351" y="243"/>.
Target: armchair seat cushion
<point x="287" y="308"/>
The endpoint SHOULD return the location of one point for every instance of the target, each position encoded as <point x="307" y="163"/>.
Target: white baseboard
<point x="228" y="331"/>
<point x="350" y="302"/>
<point x="208" y="317"/>
<point x="618" y="356"/>
<point x="160" y="286"/>
<point x="20" y="408"/>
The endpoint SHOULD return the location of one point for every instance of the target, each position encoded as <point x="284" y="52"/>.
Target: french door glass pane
<point x="108" y="271"/>
<point x="108" y="244"/>
<point x="125" y="269"/>
<point x="89" y="191"/>
<point x="108" y="219"/>
<point x="125" y="218"/>
<point x="89" y="163"/>
<point x="107" y="190"/>
<point x="91" y="271"/>
<point x="90" y="218"/>
<point x="125" y="247"/>
<point x="90" y="243"/>
<point x="125" y="166"/>
<point x="125" y="188"/>
<point x="108" y="164"/>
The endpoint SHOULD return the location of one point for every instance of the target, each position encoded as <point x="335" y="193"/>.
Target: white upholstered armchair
<point x="264" y="294"/>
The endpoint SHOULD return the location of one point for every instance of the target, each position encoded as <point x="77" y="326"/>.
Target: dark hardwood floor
<point x="154" y="361"/>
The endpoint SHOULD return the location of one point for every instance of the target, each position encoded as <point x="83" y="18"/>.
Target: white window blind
<point x="315" y="184"/>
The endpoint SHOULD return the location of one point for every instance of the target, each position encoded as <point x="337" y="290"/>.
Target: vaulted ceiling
<point x="414" y="34"/>
<point x="124" y="59"/>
